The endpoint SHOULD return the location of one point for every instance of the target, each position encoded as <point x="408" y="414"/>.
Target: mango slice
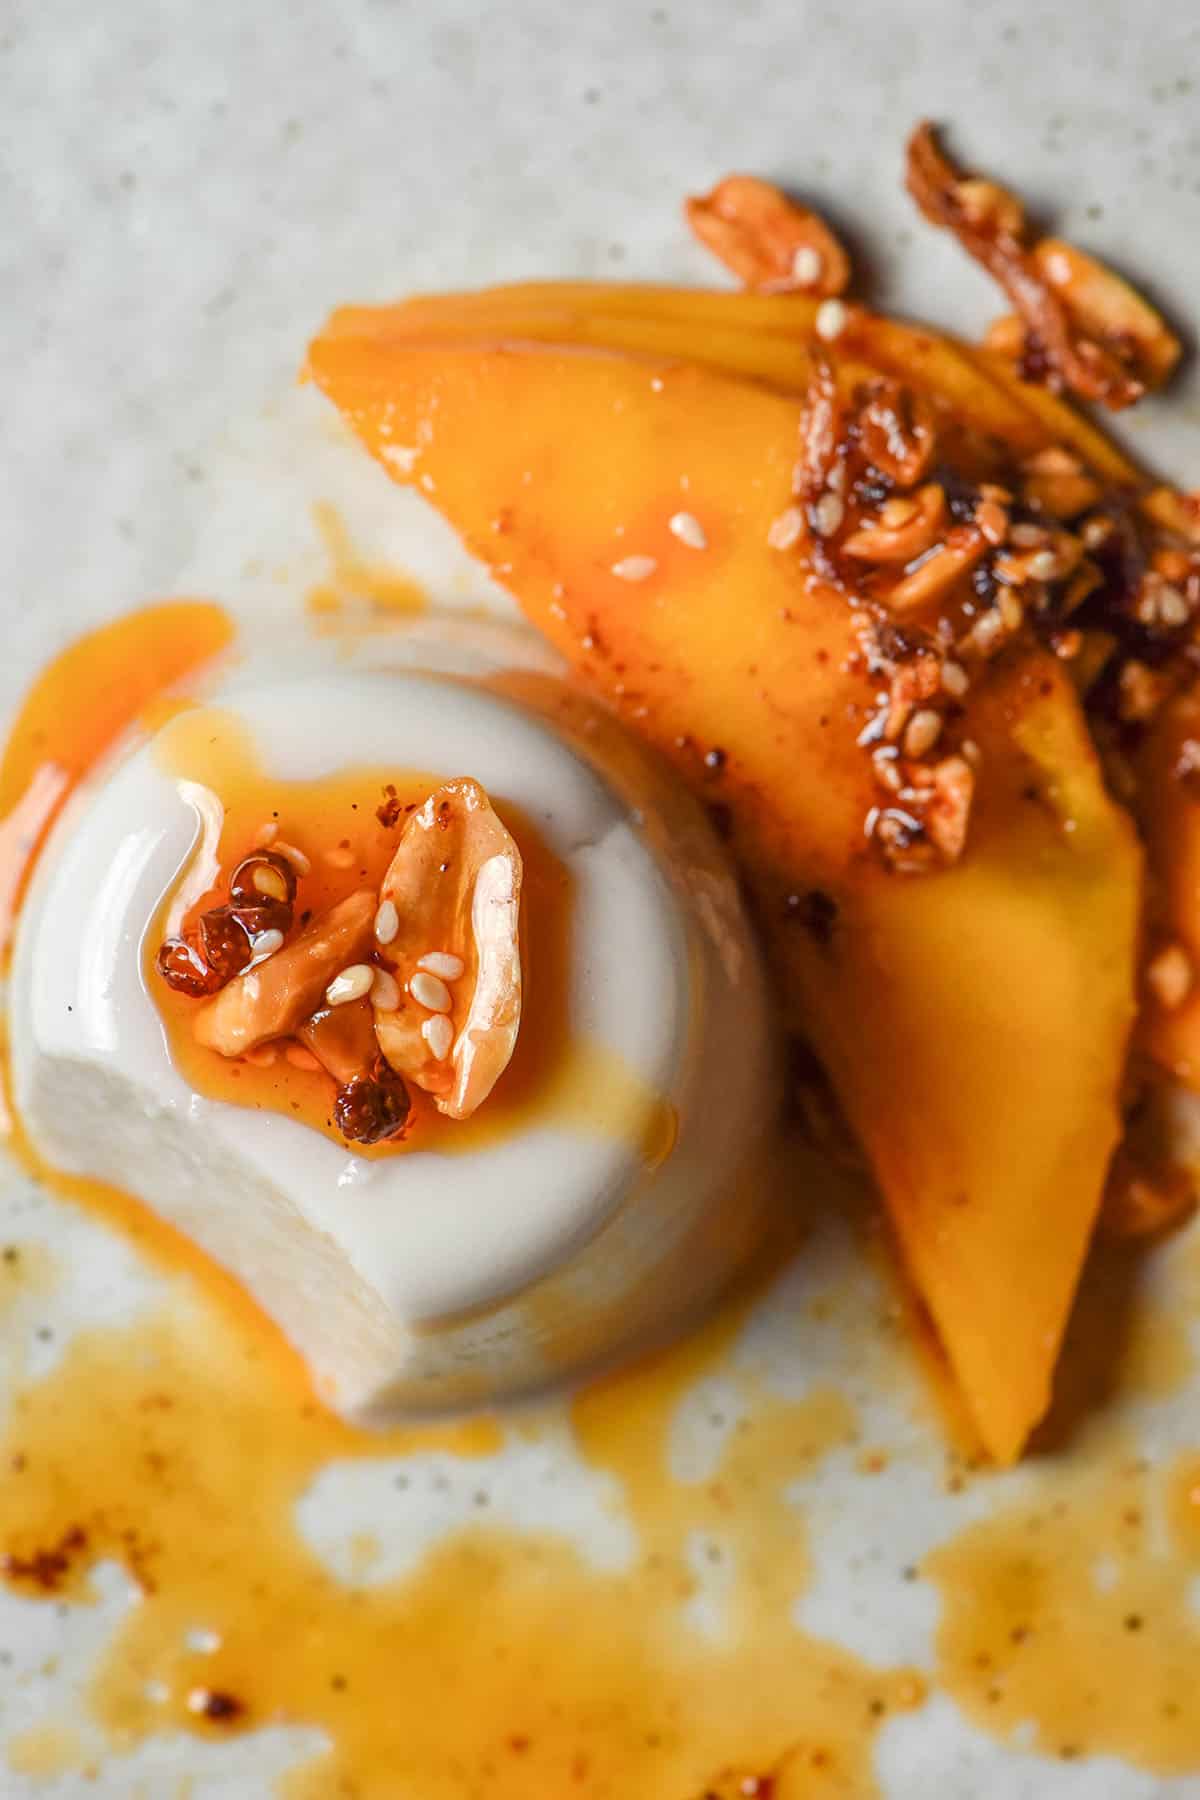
<point x="974" y="1021"/>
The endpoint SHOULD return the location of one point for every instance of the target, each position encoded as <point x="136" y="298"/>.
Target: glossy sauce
<point x="335" y="821"/>
<point x="505" y="1664"/>
<point x="78" y="708"/>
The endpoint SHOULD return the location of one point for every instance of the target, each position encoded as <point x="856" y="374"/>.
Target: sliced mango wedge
<point x="974" y="1021"/>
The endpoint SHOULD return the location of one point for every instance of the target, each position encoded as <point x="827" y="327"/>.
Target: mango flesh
<point x="974" y="1021"/>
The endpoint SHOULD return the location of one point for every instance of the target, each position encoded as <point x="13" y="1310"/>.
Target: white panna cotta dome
<point x="424" y="1280"/>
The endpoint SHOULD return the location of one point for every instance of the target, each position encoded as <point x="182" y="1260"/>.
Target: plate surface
<point x="184" y="192"/>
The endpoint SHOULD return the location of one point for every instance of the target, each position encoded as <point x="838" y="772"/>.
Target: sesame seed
<point x="688" y="529"/>
<point x="351" y="984"/>
<point x="807" y="264"/>
<point x="266" y="943"/>
<point x="429" y="992"/>
<point x="262" y="1056"/>
<point x="202" y="1641"/>
<point x="1169" y="976"/>
<point x="438" y="1033"/>
<point x="955" y="679"/>
<point x="827" y="514"/>
<point x="443" y="963"/>
<point x="924" y="729"/>
<point x="635" y="568"/>
<point x="401" y="457"/>
<point x="300" y="1058"/>
<point x="340" y="857"/>
<point x="1096" y="532"/>
<point x="268" y="881"/>
<point x="296" y="857"/>
<point x="1043" y="566"/>
<point x="1012" y="613"/>
<point x="970" y="752"/>
<point x="266" y="834"/>
<point x="1172" y="607"/>
<point x="992" y="520"/>
<point x="387" y="922"/>
<point x="785" y="530"/>
<point x="1028" y="537"/>
<point x="985" y="632"/>
<point x="831" y="320"/>
<point x="385" y="991"/>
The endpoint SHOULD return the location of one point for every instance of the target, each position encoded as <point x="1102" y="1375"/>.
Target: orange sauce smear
<point x="78" y="708"/>
<point x="506" y="1664"/>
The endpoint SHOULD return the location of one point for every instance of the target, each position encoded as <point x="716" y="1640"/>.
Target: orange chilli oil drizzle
<point x="554" y="1074"/>
<point x="180" y="1446"/>
<point x="78" y="708"/>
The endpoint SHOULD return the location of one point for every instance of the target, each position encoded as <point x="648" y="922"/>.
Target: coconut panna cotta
<point x="423" y="1002"/>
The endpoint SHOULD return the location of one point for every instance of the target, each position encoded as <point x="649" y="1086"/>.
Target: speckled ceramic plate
<point x="761" y="1547"/>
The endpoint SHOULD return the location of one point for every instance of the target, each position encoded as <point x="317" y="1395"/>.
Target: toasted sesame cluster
<point x="947" y="552"/>
<point x="945" y="570"/>
<point x="417" y="984"/>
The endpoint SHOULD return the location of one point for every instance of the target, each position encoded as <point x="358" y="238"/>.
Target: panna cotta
<point x="568" y="1170"/>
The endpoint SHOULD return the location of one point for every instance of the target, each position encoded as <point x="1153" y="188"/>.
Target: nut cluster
<point x="944" y="572"/>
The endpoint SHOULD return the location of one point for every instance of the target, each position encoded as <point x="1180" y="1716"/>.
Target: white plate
<point x="186" y="191"/>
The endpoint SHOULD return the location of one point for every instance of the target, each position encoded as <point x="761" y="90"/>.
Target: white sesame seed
<point x="785" y="530"/>
<point x="1170" y="976"/>
<point x="656" y="384"/>
<point x="1172" y="607"/>
<point x="201" y="1640"/>
<point x="262" y="1056"/>
<point x="443" y="963"/>
<point x="1012" y="613"/>
<point x="266" y="943"/>
<point x="955" y="679"/>
<point x="198" y="1700"/>
<point x="438" y="1033"/>
<point x="983" y="635"/>
<point x="924" y="729"/>
<point x="266" y="834"/>
<point x="340" y="857"/>
<point x="157" y="1693"/>
<point x="1096" y="531"/>
<point x="300" y="1058"/>
<point x="970" y="752"/>
<point x="828" y="514"/>
<point x="387" y="922"/>
<point x="351" y="984"/>
<point x="807" y="264"/>
<point x="635" y="568"/>
<point x="688" y="529"/>
<point x="1043" y="565"/>
<point x="385" y="991"/>
<point x="831" y="320"/>
<point x="401" y="457"/>
<point x="296" y="857"/>
<point x="429" y="992"/>
<point x="1028" y="537"/>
